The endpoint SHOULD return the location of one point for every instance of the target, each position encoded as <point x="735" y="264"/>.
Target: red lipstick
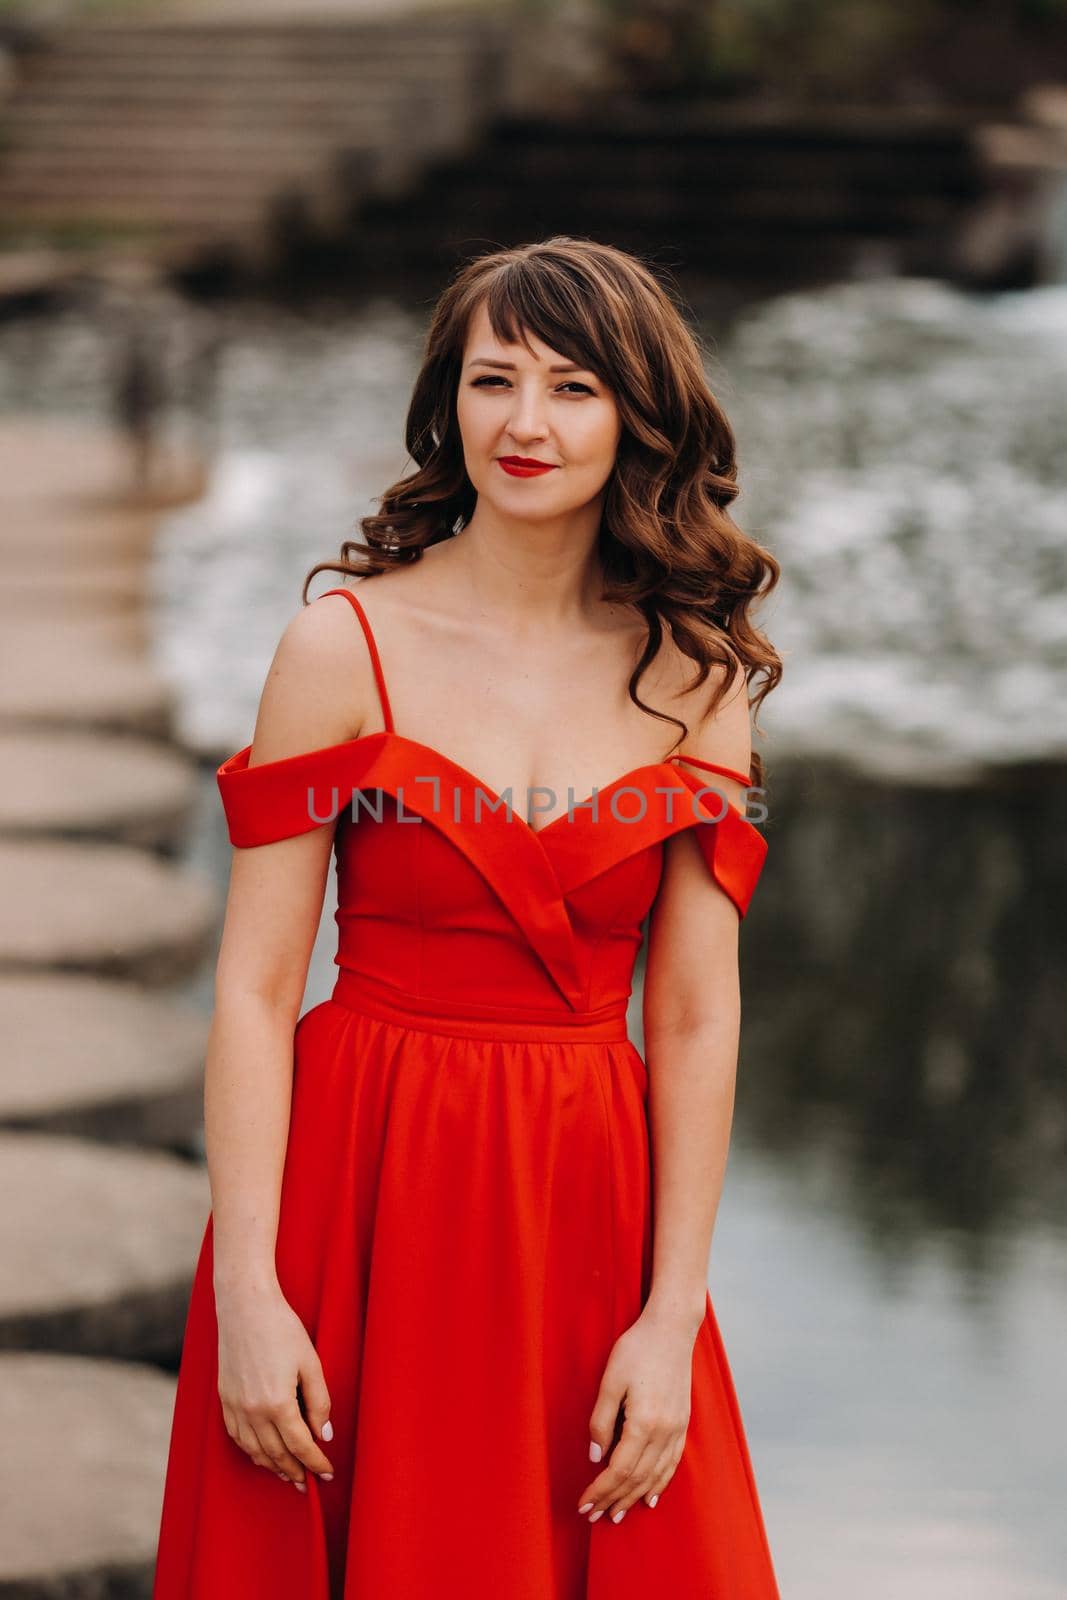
<point x="525" y="466"/>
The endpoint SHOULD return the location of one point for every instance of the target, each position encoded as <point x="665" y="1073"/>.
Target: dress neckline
<point x="566" y="816"/>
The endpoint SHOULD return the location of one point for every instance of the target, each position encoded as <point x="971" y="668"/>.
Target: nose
<point x="527" y="419"/>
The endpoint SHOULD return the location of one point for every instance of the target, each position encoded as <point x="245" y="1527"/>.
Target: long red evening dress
<point x="465" y="1223"/>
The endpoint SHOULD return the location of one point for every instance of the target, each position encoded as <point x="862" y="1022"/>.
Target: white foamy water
<point x="902" y="455"/>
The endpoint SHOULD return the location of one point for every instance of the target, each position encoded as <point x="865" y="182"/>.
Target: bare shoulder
<point x="716" y="711"/>
<point x="414" y="611"/>
<point x="675" y="674"/>
<point x="320" y="689"/>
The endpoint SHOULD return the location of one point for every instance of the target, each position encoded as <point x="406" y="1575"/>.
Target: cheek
<point x="596" y="440"/>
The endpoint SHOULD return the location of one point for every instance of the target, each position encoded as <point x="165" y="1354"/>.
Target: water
<point x="889" y="1265"/>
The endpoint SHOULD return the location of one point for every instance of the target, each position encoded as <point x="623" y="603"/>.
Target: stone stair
<point x="196" y="132"/>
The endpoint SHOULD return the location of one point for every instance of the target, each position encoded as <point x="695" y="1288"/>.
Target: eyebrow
<point x="509" y="366"/>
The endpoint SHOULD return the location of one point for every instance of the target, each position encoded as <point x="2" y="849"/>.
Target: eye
<point x="496" y="378"/>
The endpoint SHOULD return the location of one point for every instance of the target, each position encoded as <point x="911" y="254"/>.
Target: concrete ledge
<point x="101" y="908"/>
<point x="81" y="1476"/>
<point x="97" y="1246"/>
<point x="76" y="784"/>
<point x="104" y="1060"/>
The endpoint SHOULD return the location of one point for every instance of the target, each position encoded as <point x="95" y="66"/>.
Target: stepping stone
<point x="81" y="1475"/>
<point x="61" y="781"/>
<point x="102" y="908"/>
<point x="112" y="583"/>
<point x="45" y="681"/>
<point x="98" y="1245"/>
<point x="67" y="533"/>
<point x="63" y="465"/>
<point x="101" y="1059"/>
<point x="57" y="460"/>
<point x="85" y="636"/>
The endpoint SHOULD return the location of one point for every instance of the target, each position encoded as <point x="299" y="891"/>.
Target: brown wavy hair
<point x="667" y="543"/>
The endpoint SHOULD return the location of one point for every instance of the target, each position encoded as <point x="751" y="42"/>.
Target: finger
<point x="316" y="1398"/>
<point x="281" y="1458"/>
<point x="604" y="1417"/>
<point x="615" y="1478"/>
<point x="664" y="1475"/>
<point x="653" y="1470"/>
<point x="636" y="1483"/>
<point x="248" y="1440"/>
<point x="299" y="1440"/>
<point x="250" y="1443"/>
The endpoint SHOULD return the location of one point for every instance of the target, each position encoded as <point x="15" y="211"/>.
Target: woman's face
<point x="539" y="407"/>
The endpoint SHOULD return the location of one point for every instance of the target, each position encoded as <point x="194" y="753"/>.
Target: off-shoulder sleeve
<point x="734" y="851"/>
<point x="281" y="799"/>
<point x="733" y="848"/>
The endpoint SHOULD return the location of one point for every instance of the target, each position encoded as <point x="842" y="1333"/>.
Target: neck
<point x="530" y="573"/>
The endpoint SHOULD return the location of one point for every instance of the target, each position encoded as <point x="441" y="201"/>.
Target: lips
<point x="525" y="466"/>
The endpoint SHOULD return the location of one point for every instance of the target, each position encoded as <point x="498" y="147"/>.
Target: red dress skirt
<point x="465" y="1222"/>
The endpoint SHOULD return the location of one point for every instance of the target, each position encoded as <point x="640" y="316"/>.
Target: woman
<point x="450" y="1333"/>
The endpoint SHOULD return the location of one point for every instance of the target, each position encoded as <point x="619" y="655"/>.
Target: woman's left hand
<point x="650" y="1373"/>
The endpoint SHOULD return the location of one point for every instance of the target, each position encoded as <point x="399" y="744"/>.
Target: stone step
<point x="146" y="94"/>
<point x="117" y="692"/>
<point x="111" y="583"/>
<point x="209" y="217"/>
<point x="63" y="489"/>
<point x="100" y="1059"/>
<point x="98" y="1244"/>
<point x="81" y="1475"/>
<point x="155" y="126"/>
<point x="351" y="60"/>
<point x="81" y="785"/>
<point x="181" y="162"/>
<point x="386" y="36"/>
<point x="108" y="909"/>
<point x="65" y="172"/>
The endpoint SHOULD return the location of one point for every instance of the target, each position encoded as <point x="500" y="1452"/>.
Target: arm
<point x="692" y="1024"/>
<point x="273" y="909"/>
<point x="692" y="1019"/>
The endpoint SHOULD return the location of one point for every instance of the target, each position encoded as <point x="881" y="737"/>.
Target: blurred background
<point x="222" y="227"/>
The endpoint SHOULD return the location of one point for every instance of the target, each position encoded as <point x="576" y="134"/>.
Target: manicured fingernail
<point x="282" y="1476"/>
<point x="595" y="1515"/>
<point x="583" y="1509"/>
<point x="595" y="1451"/>
<point x="652" y="1502"/>
<point x="618" y="1516"/>
<point x="301" y="1486"/>
<point x="327" y="1431"/>
<point x="327" y="1477"/>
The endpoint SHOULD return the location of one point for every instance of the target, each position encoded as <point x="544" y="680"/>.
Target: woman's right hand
<point x="264" y="1352"/>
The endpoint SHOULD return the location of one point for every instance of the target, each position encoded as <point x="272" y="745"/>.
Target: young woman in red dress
<point x="450" y="1333"/>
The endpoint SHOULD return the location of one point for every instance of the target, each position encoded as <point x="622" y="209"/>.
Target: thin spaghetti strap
<point x="376" y="660"/>
<point x="710" y="766"/>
